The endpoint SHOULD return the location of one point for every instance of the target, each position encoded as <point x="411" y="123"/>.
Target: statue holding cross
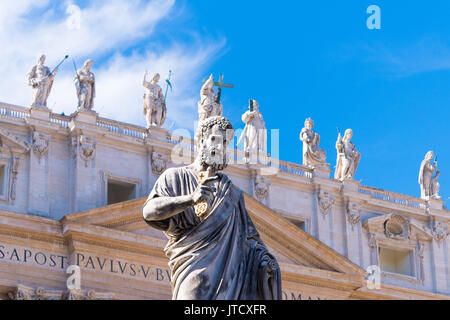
<point x="209" y="104"/>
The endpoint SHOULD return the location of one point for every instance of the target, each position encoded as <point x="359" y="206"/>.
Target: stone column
<point x="439" y="250"/>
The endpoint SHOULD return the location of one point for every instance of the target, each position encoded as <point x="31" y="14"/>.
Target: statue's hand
<point x="203" y="192"/>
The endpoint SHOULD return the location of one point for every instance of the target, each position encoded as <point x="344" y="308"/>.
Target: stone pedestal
<point x="350" y="186"/>
<point x="160" y="134"/>
<point x="321" y="172"/>
<point x="40" y="113"/>
<point x="85" y="116"/>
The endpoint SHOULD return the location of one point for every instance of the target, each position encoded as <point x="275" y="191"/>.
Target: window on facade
<point x="396" y="261"/>
<point x="2" y="180"/>
<point x="120" y="191"/>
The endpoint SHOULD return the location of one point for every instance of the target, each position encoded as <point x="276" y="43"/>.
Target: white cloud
<point x="106" y="30"/>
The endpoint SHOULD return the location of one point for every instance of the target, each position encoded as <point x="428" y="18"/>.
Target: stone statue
<point x="85" y="84"/>
<point x="312" y="154"/>
<point x="428" y="175"/>
<point x="214" y="250"/>
<point x="255" y="134"/>
<point x="154" y="103"/>
<point x="208" y="106"/>
<point x="40" y="78"/>
<point x="347" y="157"/>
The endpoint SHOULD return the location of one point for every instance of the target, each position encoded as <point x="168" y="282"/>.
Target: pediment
<point x="9" y="141"/>
<point x="398" y="227"/>
<point x="286" y="241"/>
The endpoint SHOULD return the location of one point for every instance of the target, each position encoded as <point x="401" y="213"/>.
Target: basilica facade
<point x="72" y="190"/>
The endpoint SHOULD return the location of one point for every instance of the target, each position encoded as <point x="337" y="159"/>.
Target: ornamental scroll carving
<point x="159" y="162"/>
<point x="261" y="187"/>
<point x="326" y="201"/>
<point x="22" y="292"/>
<point x="353" y="213"/>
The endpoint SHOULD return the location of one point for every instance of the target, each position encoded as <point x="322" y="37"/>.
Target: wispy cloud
<point x="403" y="59"/>
<point x="107" y="33"/>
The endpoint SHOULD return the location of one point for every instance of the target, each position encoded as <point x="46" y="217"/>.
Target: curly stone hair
<point x="206" y="125"/>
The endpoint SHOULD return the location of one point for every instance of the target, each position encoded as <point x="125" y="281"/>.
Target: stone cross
<point x="220" y="85"/>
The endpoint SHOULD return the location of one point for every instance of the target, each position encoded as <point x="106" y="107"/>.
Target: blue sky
<point x="298" y="59"/>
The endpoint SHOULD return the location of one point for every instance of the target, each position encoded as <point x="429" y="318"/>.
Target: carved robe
<point x="41" y="80"/>
<point x="207" y="106"/>
<point x="312" y="154"/>
<point x="255" y="135"/>
<point x="347" y="160"/>
<point x="220" y="257"/>
<point x="154" y="105"/>
<point x="429" y="187"/>
<point x="85" y="89"/>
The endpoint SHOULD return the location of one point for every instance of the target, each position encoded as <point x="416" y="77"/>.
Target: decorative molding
<point x="261" y="187"/>
<point x="325" y="201"/>
<point x="22" y="292"/>
<point x="159" y="162"/>
<point x="40" y="143"/>
<point x="439" y="230"/>
<point x="420" y="255"/>
<point x="397" y="227"/>
<point x="353" y="213"/>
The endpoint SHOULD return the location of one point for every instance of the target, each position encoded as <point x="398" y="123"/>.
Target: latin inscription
<point x="29" y="256"/>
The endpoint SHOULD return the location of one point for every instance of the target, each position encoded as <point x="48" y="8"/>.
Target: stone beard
<point x="221" y="255"/>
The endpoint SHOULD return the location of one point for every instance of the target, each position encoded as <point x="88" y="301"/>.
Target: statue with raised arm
<point x="312" y="154"/>
<point x="40" y="78"/>
<point x="214" y="250"/>
<point x="255" y="134"/>
<point x="208" y="106"/>
<point x="85" y="85"/>
<point x="347" y="157"/>
<point x="428" y="175"/>
<point x="154" y="102"/>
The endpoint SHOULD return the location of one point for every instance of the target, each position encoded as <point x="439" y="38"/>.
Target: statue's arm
<point x="162" y="208"/>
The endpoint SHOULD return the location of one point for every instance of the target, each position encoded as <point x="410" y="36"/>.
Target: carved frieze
<point x="439" y="230"/>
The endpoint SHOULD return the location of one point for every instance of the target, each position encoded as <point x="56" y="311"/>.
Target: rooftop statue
<point x="347" y="157"/>
<point x="428" y="175"/>
<point x="40" y="78"/>
<point x="214" y="250"/>
<point x="85" y="85"/>
<point x="154" y="102"/>
<point x="255" y="134"/>
<point x="312" y="154"/>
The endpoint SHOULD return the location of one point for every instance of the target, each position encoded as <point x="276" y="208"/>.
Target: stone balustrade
<point x="394" y="197"/>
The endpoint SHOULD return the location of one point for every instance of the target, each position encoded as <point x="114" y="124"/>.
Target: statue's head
<point x="309" y="123"/>
<point x="88" y="64"/>
<point x="348" y="134"/>
<point x="41" y="59"/>
<point x="212" y="138"/>
<point x="156" y="78"/>
<point x="429" y="155"/>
